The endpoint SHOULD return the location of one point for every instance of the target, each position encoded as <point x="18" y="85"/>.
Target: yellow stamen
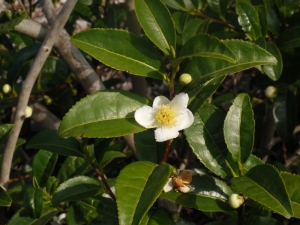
<point x="165" y="116"/>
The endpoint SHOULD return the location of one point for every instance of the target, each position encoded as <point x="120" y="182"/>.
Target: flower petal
<point x="184" y="119"/>
<point x="169" y="185"/>
<point x="160" y="100"/>
<point x="180" y="102"/>
<point x="184" y="189"/>
<point x="145" y="116"/>
<point x="165" y="133"/>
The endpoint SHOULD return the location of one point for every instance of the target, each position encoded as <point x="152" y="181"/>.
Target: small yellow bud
<point x="28" y="112"/>
<point x="6" y="88"/>
<point x="271" y="92"/>
<point x="235" y="200"/>
<point x="74" y="91"/>
<point x="185" y="79"/>
<point x="47" y="100"/>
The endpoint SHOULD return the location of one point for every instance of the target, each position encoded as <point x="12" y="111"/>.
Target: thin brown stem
<point x="166" y="151"/>
<point x="112" y="195"/>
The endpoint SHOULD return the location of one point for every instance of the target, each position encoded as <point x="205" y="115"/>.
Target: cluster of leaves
<point x="213" y="40"/>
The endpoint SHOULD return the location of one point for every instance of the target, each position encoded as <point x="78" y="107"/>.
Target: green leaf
<point x="192" y="27"/>
<point x="219" y="7"/>
<point x="248" y="55"/>
<point x="208" y="194"/>
<point x="123" y="51"/>
<point x="249" y="20"/>
<point x="273" y="21"/>
<point x="239" y="128"/>
<point x="50" y="141"/>
<point x="203" y="45"/>
<point x="5" y="130"/>
<point x="185" y="5"/>
<point x="201" y="93"/>
<point x="289" y="39"/>
<point x="206" y="139"/>
<point x="262" y="15"/>
<point x="264" y="185"/>
<point x="9" y="19"/>
<point x="73" y="166"/>
<point x="274" y="72"/>
<point x="286" y="7"/>
<point x="292" y="184"/>
<point x="21" y="217"/>
<point x="156" y="217"/>
<point x="5" y="199"/>
<point x="102" y="211"/>
<point x="100" y="146"/>
<point x="33" y="202"/>
<point x="51" y="185"/>
<point x="147" y="149"/>
<point x="251" y="162"/>
<point x="180" y="19"/>
<point x="156" y="21"/>
<point x="76" y="188"/>
<point x="284" y="113"/>
<point x="111" y="155"/>
<point x="137" y="187"/>
<point x="43" y="166"/>
<point x="103" y="114"/>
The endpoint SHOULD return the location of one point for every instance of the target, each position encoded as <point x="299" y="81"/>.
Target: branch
<point x="27" y="87"/>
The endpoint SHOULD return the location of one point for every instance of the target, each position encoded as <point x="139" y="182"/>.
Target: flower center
<point x="166" y="115"/>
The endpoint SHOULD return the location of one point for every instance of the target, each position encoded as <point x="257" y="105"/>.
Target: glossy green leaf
<point x="264" y="185"/>
<point x="206" y="139"/>
<point x="274" y="72"/>
<point x="290" y="38"/>
<point x="273" y="21"/>
<point x="5" y="130"/>
<point x="180" y="19"/>
<point x="100" y="146"/>
<point x="284" y="113"/>
<point x="248" y="55"/>
<point x="219" y="7"/>
<point x="203" y="45"/>
<point x="192" y="27"/>
<point x="156" y="217"/>
<point x="33" y="202"/>
<point x="43" y="166"/>
<point x="137" y="187"/>
<point x="201" y="93"/>
<point x="111" y="155"/>
<point x="73" y="166"/>
<point x="239" y="128"/>
<point x="21" y="217"/>
<point x="9" y="19"/>
<point x="103" y="114"/>
<point x="76" y="188"/>
<point x="147" y="149"/>
<point x="50" y="140"/>
<point x="102" y="211"/>
<point x="262" y="16"/>
<point x="185" y="5"/>
<point x="156" y="21"/>
<point x="251" y="162"/>
<point x="5" y="199"/>
<point x="249" y="20"/>
<point x="286" y="7"/>
<point x="207" y="194"/>
<point x="123" y="51"/>
<point x="292" y="184"/>
<point x="51" y="185"/>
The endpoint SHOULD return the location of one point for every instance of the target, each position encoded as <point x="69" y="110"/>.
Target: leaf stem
<point x="167" y="146"/>
<point x="112" y="195"/>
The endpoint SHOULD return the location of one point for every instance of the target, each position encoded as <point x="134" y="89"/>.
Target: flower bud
<point x="74" y="91"/>
<point x="185" y="79"/>
<point x="47" y="100"/>
<point x="6" y="88"/>
<point x="28" y="112"/>
<point x="271" y="92"/>
<point x="235" y="200"/>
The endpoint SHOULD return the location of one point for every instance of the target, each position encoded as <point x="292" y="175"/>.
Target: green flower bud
<point x="235" y="200"/>
<point x="47" y="100"/>
<point x="28" y="112"/>
<point x="74" y="91"/>
<point x="6" y="88"/>
<point x="271" y="92"/>
<point x="185" y="79"/>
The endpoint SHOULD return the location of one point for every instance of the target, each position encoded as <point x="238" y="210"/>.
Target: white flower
<point x="168" y="116"/>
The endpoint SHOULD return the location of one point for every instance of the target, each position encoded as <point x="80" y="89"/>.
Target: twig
<point x="27" y="87"/>
<point x="166" y="151"/>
